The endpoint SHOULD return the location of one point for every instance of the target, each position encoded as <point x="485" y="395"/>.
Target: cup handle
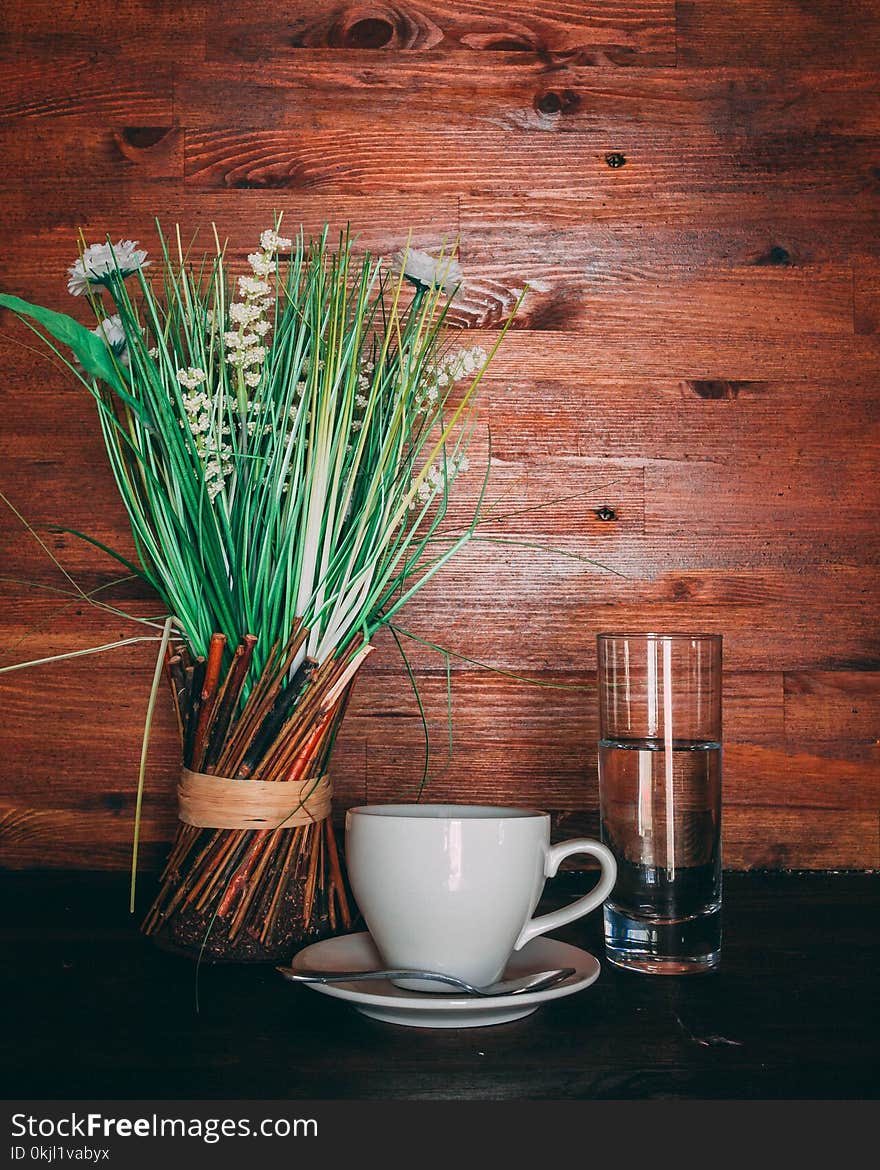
<point x="556" y="854"/>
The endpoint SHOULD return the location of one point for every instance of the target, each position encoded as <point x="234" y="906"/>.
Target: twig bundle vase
<point x="254" y="871"/>
<point x="284" y="441"/>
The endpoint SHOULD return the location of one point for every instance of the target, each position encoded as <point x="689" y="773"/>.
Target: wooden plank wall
<point x="691" y="190"/>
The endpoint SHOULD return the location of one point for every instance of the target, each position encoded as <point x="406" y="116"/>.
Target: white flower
<point x="262" y="264"/>
<point x="242" y="314"/>
<point x="247" y="357"/>
<point x="250" y="287"/>
<point x="191" y="377"/>
<point x="427" y="271"/>
<point x="253" y="357"/>
<point x="261" y="328"/>
<point x="460" y="363"/>
<point x="193" y="403"/>
<point x="113" y="333"/>
<point x="99" y="264"/>
<point x="270" y="241"/>
<point x="252" y="378"/>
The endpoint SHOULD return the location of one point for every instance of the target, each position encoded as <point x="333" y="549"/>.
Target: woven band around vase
<point x="217" y="802"/>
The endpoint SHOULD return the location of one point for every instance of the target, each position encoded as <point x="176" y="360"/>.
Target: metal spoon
<point x="536" y="982"/>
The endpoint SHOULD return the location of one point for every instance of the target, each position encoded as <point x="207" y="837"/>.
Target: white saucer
<point x="420" y="1009"/>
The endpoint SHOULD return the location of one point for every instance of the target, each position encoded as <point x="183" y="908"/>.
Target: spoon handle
<point x="537" y="982"/>
<point x="352" y="976"/>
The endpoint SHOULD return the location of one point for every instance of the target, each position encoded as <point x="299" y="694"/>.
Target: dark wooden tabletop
<point x="96" y="1011"/>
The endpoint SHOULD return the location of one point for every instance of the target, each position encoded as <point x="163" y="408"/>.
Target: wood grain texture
<point x="778" y="34"/>
<point x="684" y="417"/>
<point x="614" y="31"/>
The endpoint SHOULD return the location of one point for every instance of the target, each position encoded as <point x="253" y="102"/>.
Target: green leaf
<point x="91" y="350"/>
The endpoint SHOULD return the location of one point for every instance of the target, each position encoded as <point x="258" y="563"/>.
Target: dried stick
<point x="228" y="699"/>
<point x="336" y="872"/>
<point x="256" y="864"/>
<point x="173" y="669"/>
<point x="241" y="873"/>
<point x="209" y="699"/>
<point x="271" y="726"/>
<point x="195" y="704"/>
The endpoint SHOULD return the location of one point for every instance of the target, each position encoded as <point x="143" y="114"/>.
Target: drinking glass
<point x="660" y="798"/>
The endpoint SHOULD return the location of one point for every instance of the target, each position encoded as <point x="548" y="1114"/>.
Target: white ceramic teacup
<point x="452" y="888"/>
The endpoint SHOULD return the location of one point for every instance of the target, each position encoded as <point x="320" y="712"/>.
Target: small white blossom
<point x="243" y="314"/>
<point x="270" y="241"/>
<point x="261" y="328"/>
<point x="99" y="263"/>
<point x="191" y="377"/>
<point x="460" y="363"/>
<point x="262" y="264"/>
<point x="428" y="271"/>
<point x="253" y="357"/>
<point x="250" y="287"/>
<point x="193" y="403"/>
<point x="252" y="378"/>
<point x="113" y="333"/>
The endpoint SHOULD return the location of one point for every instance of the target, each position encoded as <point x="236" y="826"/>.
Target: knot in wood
<point x="615" y="159"/>
<point x="557" y="102"/>
<point x="371" y="32"/>
<point x="605" y="513"/>
<point x="368" y="26"/>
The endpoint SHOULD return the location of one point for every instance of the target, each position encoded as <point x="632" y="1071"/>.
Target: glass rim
<point x="655" y="637"/>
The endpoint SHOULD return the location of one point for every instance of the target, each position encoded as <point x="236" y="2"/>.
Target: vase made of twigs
<point x="255" y="872"/>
